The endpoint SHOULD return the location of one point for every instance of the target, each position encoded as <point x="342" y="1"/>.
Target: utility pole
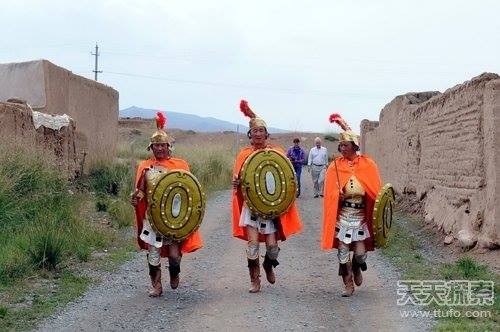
<point x="96" y="54"/>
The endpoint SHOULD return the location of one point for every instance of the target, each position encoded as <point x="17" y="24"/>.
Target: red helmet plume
<point x="161" y="120"/>
<point x="245" y="109"/>
<point x="336" y="118"/>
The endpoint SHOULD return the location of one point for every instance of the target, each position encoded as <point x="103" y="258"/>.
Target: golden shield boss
<point x="176" y="203"/>
<point x="268" y="183"/>
<point x="382" y="215"/>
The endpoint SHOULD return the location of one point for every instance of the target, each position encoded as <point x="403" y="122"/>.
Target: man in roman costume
<point x="254" y="229"/>
<point x="157" y="245"/>
<point x="351" y="186"/>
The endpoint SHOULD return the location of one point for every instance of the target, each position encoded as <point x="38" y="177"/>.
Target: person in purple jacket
<point x="298" y="157"/>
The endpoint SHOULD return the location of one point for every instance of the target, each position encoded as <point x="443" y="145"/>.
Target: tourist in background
<point x="317" y="162"/>
<point x="297" y="156"/>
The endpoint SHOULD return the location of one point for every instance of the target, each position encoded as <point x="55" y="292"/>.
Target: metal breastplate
<point x="153" y="174"/>
<point x="353" y="191"/>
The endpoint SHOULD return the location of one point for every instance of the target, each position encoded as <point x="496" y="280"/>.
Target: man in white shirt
<point x="317" y="161"/>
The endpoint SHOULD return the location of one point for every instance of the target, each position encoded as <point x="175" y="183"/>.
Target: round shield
<point x="268" y="183"/>
<point x="176" y="204"/>
<point x="382" y="215"/>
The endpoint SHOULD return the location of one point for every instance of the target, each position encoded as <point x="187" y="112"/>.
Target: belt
<point x="353" y="205"/>
<point x="254" y="218"/>
<point x="318" y="165"/>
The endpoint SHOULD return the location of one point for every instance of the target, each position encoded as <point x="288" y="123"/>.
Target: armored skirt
<point x="338" y="196"/>
<point x="264" y="226"/>
<point x="350" y="225"/>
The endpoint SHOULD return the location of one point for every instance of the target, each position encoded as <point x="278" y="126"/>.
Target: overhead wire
<point x="236" y="85"/>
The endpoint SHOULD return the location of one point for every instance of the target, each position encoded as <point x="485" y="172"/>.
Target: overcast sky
<point x="294" y="61"/>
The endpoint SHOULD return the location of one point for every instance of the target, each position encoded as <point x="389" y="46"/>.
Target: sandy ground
<point x="213" y="292"/>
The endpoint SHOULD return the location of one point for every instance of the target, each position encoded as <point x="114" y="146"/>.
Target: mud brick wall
<point x="17" y="128"/>
<point x="442" y="150"/>
<point x="54" y="90"/>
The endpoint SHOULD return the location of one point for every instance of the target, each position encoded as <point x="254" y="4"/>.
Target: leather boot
<point x="174" y="269"/>
<point x="345" y="271"/>
<point x="254" y="270"/>
<point x="356" y="270"/>
<point x="155" y="275"/>
<point x="268" y="265"/>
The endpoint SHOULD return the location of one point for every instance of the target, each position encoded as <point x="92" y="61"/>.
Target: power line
<point x="309" y="61"/>
<point x="238" y="86"/>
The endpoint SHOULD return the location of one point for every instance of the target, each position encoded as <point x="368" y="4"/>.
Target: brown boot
<point x="358" y="277"/>
<point x="254" y="269"/>
<point x="155" y="274"/>
<point x="268" y="265"/>
<point x="174" y="269"/>
<point x="347" y="276"/>
<point x="357" y="268"/>
<point x="349" y="286"/>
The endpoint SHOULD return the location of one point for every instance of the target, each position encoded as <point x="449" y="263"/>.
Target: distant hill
<point x="189" y="121"/>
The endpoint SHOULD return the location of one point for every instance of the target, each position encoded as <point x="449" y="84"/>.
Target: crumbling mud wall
<point x="441" y="151"/>
<point x="16" y="126"/>
<point x="54" y="90"/>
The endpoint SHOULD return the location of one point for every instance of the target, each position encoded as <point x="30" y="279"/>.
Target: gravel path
<point x="214" y="282"/>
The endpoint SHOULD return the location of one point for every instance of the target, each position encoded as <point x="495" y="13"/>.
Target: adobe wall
<point x="16" y="124"/>
<point x="442" y="151"/>
<point x="55" y="90"/>
<point x="92" y="105"/>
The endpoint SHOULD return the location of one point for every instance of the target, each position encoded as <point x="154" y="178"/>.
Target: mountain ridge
<point x="187" y="121"/>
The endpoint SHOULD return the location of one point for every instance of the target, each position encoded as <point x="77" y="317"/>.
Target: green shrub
<point x="331" y="137"/>
<point x="121" y="212"/>
<point x="464" y="268"/>
<point x="212" y="166"/>
<point x="14" y="263"/>
<point x="109" y="178"/>
<point x="39" y="218"/>
<point x="101" y="203"/>
<point x="82" y="253"/>
<point x="83" y="238"/>
<point x="47" y="245"/>
<point x="3" y="311"/>
<point x="30" y="189"/>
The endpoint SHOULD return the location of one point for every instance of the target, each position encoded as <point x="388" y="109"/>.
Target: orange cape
<point x="366" y="171"/>
<point x="289" y="222"/>
<point x="192" y="242"/>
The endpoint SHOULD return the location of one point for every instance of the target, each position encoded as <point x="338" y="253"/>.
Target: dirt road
<point x="214" y="282"/>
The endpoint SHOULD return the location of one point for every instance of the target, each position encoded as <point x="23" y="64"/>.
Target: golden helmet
<point x="347" y="135"/>
<point x="255" y="121"/>
<point x="160" y="136"/>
